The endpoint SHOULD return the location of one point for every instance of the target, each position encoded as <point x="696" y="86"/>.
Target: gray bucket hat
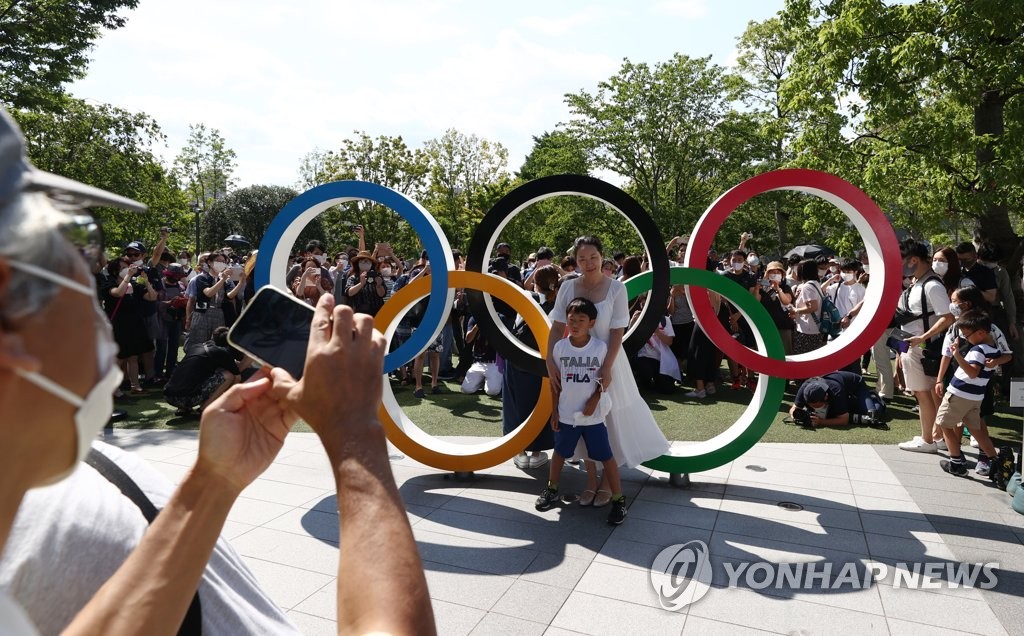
<point x="18" y="175"/>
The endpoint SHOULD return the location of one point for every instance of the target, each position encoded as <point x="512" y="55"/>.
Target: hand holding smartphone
<point x="274" y="330"/>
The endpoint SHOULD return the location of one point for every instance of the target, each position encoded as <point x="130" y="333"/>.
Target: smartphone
<point x="274" y="330"/>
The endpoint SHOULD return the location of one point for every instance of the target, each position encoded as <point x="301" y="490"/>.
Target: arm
<point x="150" y="294"/>
<point x="361" y="231"/>
<point x="240" y="435"/>
<point x="158" y="251"/>
<point x="383" y="588"/>
<point x="237" y="289"/>
<point x="971" y="369"/>
<point x="217" y="285"/>
<point x="940" y="326"/>
<point x="190" y="304"/>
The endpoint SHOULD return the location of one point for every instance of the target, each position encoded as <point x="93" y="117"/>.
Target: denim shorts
<point x="595" y="436"/>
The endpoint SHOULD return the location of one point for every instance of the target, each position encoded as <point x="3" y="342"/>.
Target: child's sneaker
<point x="618" y="512"/>
<point x="984" y="466"/>
<point x="958" y="468"/>
<point x="547" y="499"/>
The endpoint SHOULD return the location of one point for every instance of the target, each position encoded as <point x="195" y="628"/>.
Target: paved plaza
<point x="497" y="566"/>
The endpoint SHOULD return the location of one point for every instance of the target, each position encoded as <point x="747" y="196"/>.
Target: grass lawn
<point x="453" y="413"/>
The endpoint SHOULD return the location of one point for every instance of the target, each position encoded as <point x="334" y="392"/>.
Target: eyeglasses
<point x="86" y="235"/>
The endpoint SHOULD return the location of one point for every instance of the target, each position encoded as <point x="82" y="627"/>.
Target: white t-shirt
<point x="577" y="368"/>
<point x="808" y="322"/>
<point x="846" y="296"/>
<point x="938" y="304"/>
<point x="69" y="538"/>
<point x="651" y="348"/>
<point x="13" y="620"/>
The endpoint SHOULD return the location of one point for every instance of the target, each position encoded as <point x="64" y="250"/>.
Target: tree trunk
<point x="994" y="223"/>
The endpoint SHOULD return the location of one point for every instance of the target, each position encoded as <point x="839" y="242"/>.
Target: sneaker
<point x="437" y="390"/>
<point x="419" y="393"/>
<point x="984" y="466"/>
<point x="736" y="385"/>
<point x="618" y="512"/>
<point x="522" y="460"/>
<point x="752" y="384"/>
<point x="915" y="409"/>
<point x="546" y="500"/>
<point x="697" y="394"/>
<point x="954" y="468"/>
<point x="974" y="442"/>
<point x="941" y="445"/>
<point x="918" y="445"/>
<point x="538" y="460"/>
<point x="709" y="388"/>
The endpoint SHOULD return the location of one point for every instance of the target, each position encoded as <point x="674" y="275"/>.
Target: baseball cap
<point x="138" y="246"/>
<point x="18" y="175"/>
<point x="815" y="390"/>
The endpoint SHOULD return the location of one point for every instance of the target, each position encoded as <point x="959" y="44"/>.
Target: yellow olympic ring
<point x="410" y="438"/>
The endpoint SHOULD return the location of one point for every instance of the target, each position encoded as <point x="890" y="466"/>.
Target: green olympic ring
<point x="752" y="424"/>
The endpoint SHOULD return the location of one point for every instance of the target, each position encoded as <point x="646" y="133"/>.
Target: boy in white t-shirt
<point x="962" y="401"/>
<point x="844" y="289"/>
<point x="580" y="410"/>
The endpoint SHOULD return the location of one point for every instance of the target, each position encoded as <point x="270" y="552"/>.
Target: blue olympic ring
<point x="289" y="223"/>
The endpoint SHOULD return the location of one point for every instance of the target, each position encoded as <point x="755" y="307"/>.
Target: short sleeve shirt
<point x="938" y="304"/>
<point x="808" y="323"/>
<point x="577" y="369"/>
<point x="979" y="276"/>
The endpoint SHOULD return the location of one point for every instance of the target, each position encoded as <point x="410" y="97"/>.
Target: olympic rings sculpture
<point x="768" y="360"/>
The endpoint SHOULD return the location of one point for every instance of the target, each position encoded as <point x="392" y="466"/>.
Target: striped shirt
<point x="974" y="388"/>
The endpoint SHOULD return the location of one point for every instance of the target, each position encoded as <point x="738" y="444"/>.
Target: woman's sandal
<point x="587" y="498"/>
<point x="601" y="500"/>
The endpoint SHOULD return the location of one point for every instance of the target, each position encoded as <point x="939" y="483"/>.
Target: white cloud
<point x="682" y="8"/>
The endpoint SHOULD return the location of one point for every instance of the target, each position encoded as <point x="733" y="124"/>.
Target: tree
<point x="466" y="175"/>
<point x="205" y="166"/>
<point x="655" y="126"/>
<point x="930" y="101"/>
<point x="313" y="170"/>
<point x="249" y="212"/>
<point x="44" y="45"/>
<point x="384" y="160"/>
<point x="109" y="148"/>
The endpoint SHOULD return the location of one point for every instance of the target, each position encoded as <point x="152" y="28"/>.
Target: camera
<point x="802" y="415"/>
<point x="871" y="419"/>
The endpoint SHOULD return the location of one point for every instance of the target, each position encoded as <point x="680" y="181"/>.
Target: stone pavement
<point x="496" y="565"/>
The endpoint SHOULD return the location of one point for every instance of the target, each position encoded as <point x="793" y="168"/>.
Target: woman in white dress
<point x="632" y="431"/>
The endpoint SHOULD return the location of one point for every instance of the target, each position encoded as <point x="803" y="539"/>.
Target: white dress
<point x="632" y="431"/>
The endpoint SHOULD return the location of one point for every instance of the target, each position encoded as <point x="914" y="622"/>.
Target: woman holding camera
<point x="126" y="299"/>
<point x="365" y="286"/>
<point x="213" y="286"/>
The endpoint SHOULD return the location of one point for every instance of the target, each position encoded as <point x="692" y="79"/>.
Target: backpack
<point x="1003" y="466"/>
<point x="828" y="322"/>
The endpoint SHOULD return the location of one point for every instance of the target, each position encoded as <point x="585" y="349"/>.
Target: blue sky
<point x="280" y="79"/>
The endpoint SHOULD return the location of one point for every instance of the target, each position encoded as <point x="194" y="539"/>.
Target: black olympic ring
<point x="525" y="195"/>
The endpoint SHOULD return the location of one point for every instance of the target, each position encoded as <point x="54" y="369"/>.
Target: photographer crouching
<point x="839" y="398"/>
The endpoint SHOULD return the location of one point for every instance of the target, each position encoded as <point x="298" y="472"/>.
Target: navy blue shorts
<point x="595" y="436"/>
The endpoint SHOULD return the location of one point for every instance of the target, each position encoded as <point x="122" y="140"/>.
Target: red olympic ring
<point x="880" y="299"/>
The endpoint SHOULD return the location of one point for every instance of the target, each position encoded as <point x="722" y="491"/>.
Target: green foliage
<point x="466" y="173"/>
<point x="109" y="148"/>
<point x="249" y="211"/>
<point x="204" y="166"/>
<point x="921" y="103"/>
<point x="44" y="45"/>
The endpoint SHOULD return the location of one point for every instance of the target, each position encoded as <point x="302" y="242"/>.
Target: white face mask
<point x="737" y="266"/>
<point x="218" y="267"/>
<point x="954" y="309"/>
<point x="940" y="267"/>
<point x="753" y="261"/>
<point x="137" y="263"/>
<point x="833" y="269"/>
<point x="776" y="278"/>
<point x="184" y="262"/>
<point x="385" y="271"/>
<point x="94" y="410"/>
<point x="319" y="258"/>
<point x="364" y="266"/>
<point x="867" y="270"/>
<point x="847" y="276"/>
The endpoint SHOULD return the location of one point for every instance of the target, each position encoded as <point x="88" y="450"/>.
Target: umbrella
<point x="237" y="242"/>
<point x="810" y="251"/>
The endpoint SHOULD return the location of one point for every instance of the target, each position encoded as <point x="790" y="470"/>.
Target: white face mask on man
<point x="218" y="267"/>
<point x="93" y="411"/>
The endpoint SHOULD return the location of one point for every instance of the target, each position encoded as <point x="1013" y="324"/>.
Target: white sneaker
<point x="941" y="445"/>
<point x="918" y="445"/>
<point x="974" y="442"/>
<point x="696" y="394"/>
<point x="522" y="460"/>
<point x="538" y="460"/>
